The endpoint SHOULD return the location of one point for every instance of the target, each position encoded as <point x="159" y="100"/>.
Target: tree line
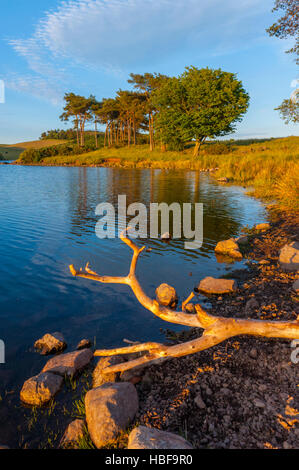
<point x="198" y="104"/>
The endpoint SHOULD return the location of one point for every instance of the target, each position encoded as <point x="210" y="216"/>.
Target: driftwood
<point x="215" y="329"/>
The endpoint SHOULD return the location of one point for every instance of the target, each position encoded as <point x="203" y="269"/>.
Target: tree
<point x="199" y="104"/>
<point x="289" y="110"/>
<point x="215" y="329"/>
<point x="79" y="108"/>
<point x="96" y="108"/>
<point x="146" y="84"/>
<point x="288" y="25"/>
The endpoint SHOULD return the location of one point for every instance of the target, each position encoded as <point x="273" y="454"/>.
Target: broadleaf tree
<point x="199" y="104"/>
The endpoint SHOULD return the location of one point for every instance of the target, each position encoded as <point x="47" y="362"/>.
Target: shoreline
<point x="246" y="386"/>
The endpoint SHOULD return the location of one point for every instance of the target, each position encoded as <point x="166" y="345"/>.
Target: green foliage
<point x="59" y="134"/>
<point x="289" y="110"/>
<point x="199" y="104"/>
<point x="37" y="155"/>
<point x="288" y="25"/>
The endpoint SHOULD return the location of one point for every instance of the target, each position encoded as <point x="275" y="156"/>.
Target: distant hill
<point x="12" y="152"/>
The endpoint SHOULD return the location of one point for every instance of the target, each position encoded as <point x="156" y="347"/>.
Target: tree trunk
<point x="197" y="148"/>
<point x="96" y="133"/>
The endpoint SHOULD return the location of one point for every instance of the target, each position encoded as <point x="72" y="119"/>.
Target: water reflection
<point x="47" y="221"/>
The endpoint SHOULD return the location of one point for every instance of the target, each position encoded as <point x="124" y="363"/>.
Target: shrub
<point x="217" y="149"/>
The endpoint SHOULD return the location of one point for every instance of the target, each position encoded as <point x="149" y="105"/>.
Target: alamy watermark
<point x="2" y="91"/>
<point x="2" y="352"/>
<point x="145" y="223"/>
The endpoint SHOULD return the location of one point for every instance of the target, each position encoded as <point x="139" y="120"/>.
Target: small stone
<point x="166" y="295"/>
<point x="295" y="286"/>
<point x="109" y="410"/>
<point x="210" y="285"/>
<point x="251" y="305"/>
<point x="199" y="402"/>
<point x="150" y="438"/>
<point x="69" y="364"/>
<point x="262" y="227"/>
<point x="83" y="344"/>
<point x="223" y="179"/>
<point x="242" y="240"/>
<point x="286" y="445"/>
<point x="73" y="433"/>
<point x="40" y="389"/>
<point x="258" y="403"/>
<point x="99" y="377"/>
<point x="230" y="248"/>
<point x="289" y="257"/>
<point x="166" y="236"/>
<point x="253" y="353"/>
<point x="50" y="343"/>
<point x="131" y="374"/>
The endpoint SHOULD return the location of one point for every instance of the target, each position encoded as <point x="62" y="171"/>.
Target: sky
<point x="50" y="47"/>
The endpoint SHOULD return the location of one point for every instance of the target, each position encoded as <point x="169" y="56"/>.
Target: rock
<point x="262" y="227"/>
<point x="289" y="257"/>
<point x="98" y="377"/>
<point x="50" y="343"/>
<point x="73" y="433"/>
<point x="151" y="438"/>
<point x="83" y="344"/>
<point x="166" y="236"/>
<point x="223" y="179"/>
<point x="132" y="375"/>
<point x="230" y="248"/>
<point x="166" y="295"/>
<point x="69" y="364"/>
<point x="295" y="286"/>
<point x="109" y="410"/>
<point x="253" y="353"/>
<point x="210" y="285"/>
<point x="258" y="403"/>
<point x="199" y="402"/>
<point x="40" y="389"/>
<point x="242" y="240"/>
<point x="251" y="305"/>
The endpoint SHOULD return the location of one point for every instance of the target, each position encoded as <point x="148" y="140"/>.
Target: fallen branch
<point x="216" y="329"/>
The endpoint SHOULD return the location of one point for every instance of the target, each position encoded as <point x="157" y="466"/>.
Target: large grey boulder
<point x="69" y="364"/>
<point x="73" y="433"/>
<point x="109" y="410"/>
<point x="289" y="257"/>
<point x="40" y="389"/>
<point x="166" y="295"/>
<point x="99" y="377"/>
<point x="210" y="285"/>
<point x="50" y="343"/>
<point x="229" y="248"/>
<point x="151" y="438"/>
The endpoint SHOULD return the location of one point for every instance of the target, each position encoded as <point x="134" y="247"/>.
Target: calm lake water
<point x="47" y="221"/>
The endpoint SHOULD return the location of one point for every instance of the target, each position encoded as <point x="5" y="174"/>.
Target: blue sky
<point x="48" y="47"/>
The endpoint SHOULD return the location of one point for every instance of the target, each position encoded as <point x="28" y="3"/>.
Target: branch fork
<point x="216" y="329"/>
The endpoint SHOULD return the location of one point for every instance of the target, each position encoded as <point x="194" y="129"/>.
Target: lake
<point x="47" y="222"/>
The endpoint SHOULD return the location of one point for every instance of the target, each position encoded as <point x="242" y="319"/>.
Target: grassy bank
<point x="12" y="152"/>
<point x="270" y="166"/>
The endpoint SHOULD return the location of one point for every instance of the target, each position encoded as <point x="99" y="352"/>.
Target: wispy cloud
<point x="118" y="35"/>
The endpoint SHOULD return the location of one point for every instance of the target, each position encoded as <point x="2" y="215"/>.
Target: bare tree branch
<point x="216" y="329"/>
